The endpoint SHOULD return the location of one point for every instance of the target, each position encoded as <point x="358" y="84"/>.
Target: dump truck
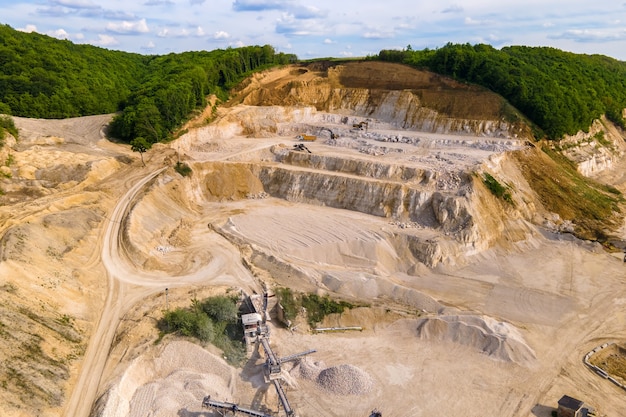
<point x="308" y="138"/>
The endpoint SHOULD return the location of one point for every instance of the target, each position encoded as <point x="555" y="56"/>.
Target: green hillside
<point x="560" y="92"/>
<point x="44" y="77"/>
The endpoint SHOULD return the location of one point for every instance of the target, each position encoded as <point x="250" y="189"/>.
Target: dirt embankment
<point x="393" y="93"/>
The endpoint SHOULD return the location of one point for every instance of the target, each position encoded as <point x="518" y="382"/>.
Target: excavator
<point x="360" y="125"/>
<point x="332" y="135"/>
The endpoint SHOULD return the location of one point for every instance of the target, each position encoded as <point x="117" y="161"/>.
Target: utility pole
<point x="167" y="307"/>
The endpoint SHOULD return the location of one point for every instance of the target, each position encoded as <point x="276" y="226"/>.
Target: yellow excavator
<point x="361" y="125"/>
<point x="332" y="135"/>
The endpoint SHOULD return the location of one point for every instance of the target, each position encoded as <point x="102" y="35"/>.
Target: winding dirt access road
<point x="126" y="286"/>
<point x="86" y="388"/>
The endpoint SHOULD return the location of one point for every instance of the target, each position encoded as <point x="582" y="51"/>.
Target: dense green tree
<point x="45" y="77"/>
<point x="141" y="145"/>
<point x="560" y="92"/>
<point x="220" y="309"/>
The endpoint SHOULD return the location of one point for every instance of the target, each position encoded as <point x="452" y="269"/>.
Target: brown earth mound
<point x="328" y="86"/>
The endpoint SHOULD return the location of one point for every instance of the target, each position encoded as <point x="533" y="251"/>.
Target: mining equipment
<point x="332" y="135"/>
<point x="207" y="402"/>
<point x="307" y="138"/>
<point x="360" y="125"/>
<point x="256" y="331"/>
<point x="301" y="147"/>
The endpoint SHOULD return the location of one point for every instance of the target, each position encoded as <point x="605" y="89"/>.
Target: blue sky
<point x="325" y="28"/>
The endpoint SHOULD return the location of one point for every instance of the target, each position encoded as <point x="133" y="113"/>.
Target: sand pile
<point x="173" y="382"/>
<point x="338" y="380"/>
<point x="501" y="341"/>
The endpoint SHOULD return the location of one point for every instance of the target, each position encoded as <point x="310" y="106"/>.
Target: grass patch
<point x="496" y="188"/>
<point x="316" y="307"/>
<point x="592" y="207"/>
<point x="289" y="302"/>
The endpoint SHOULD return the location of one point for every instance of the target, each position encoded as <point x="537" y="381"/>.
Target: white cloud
<point x="126" y="27"/>
<point x="455" y="8"/>
<point x="258" y="5"/>
<point x="221" y="35"/>
<point x="167" y="32"/>
<point x="59" y="34"/>
<point x="323" y="28"/>
<point x="377" y="35"/>
<point x="28" y="29"/>
<point x="150" y="46"/>
<point x="473" y="22"/>
<point x="593" y="35"/>
<point x="105" y="40"/>
<point x="159" y="3"/>
<point x="75" y="4"/>
<point x="288" y="25"/>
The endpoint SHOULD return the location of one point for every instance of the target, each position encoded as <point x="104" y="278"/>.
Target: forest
<point x="43" y="77"/>
<point x="560" y="92"/>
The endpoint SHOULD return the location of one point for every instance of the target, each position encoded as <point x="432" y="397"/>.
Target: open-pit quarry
<point x="469" y="304"/>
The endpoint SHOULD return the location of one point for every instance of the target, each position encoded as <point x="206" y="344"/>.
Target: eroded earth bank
<point x="472" y="304"/>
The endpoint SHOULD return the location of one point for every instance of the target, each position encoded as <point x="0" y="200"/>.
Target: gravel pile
<point x="345" y="380"/>
<point x="309" y="370"/>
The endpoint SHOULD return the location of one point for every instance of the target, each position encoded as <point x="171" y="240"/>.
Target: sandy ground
<point x="501" y="333"/>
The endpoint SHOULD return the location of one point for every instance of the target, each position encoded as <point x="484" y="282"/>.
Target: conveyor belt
<point x="296" y="356"/>
<point x="269" y="352"/>
<point x="208" y="402"/>
<point x="283" y="397"/>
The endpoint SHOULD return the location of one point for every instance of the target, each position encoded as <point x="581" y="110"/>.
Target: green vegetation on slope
<point x="7" y="125"/>
<point x="496" y="188"/>
<point x="177" y="84"/>
<point x="212" y="320"/>
<point x="316" y="307"/>
<point x="560" y="92"/>
<point x="43" y="77"/>
<point x="592" y="207"/>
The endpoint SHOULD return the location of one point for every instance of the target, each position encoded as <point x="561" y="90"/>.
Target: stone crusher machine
<point x="256" y="330"/>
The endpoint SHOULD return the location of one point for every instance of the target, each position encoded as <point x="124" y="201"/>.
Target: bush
<point x="204" y="329"/>
<point x="7" y="125"/>
<point x="212" y="320"/>
<point x="181" y="320"/>
<point x="319" y="307"/>
<point x="183" y="169"/>
<point x="316" y="307"/>
<point x="220" y="308"/>
<point x="289" y="303"/>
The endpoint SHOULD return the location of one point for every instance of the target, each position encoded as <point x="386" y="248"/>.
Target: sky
<point x="324" y="28"/>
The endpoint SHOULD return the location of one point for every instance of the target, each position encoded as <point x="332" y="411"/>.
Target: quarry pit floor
<point x="557" y="296"/>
